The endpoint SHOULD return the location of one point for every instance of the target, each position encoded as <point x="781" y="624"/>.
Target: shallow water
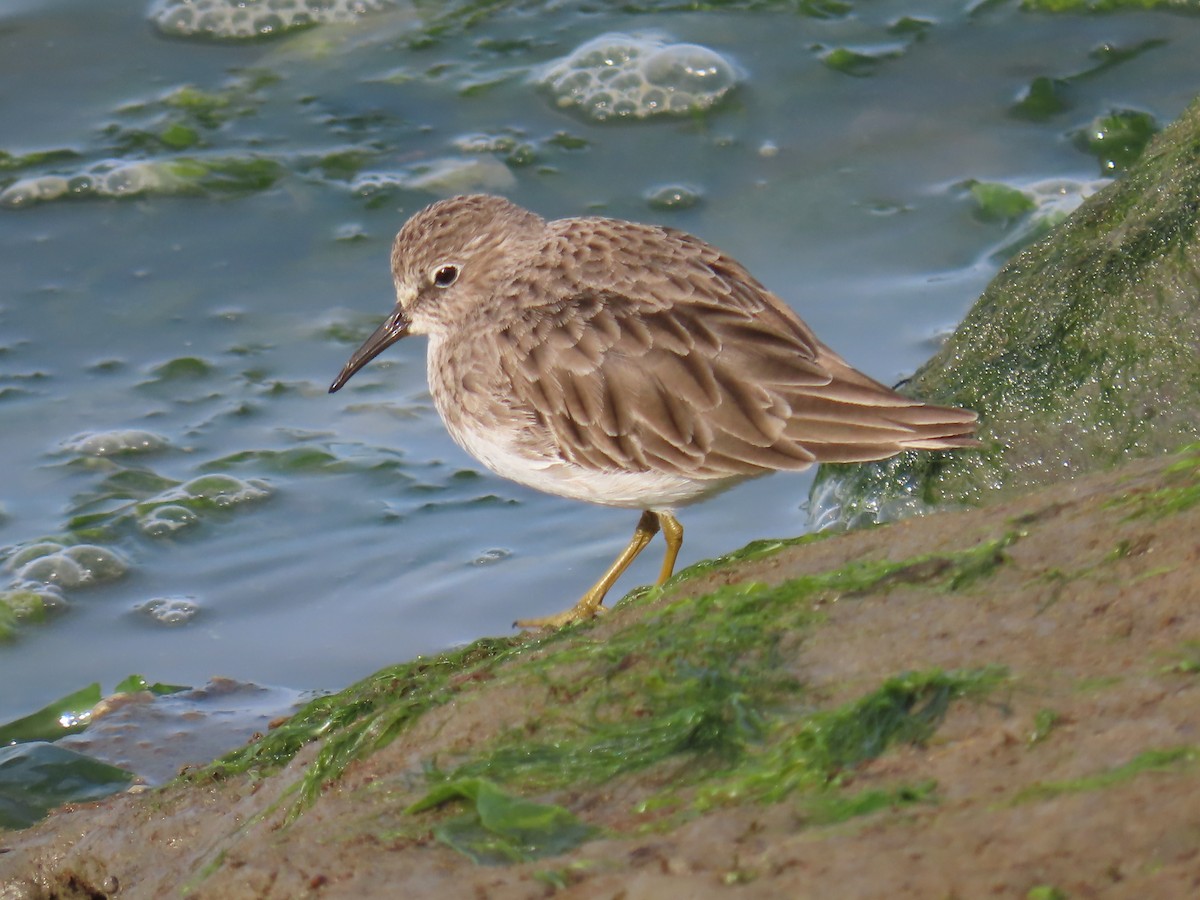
<point x="382" y="540"/>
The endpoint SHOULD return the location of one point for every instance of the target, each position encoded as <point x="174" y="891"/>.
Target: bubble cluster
<point x="162" y="521"/>
<point x="116" y="443"/>
<point x="103" y="179"/>
<point x="623" y="76"/>
<point x="225" y="490"/>
<point x="673" y="197"/>
<point x="245" y="19"/>
<point x="440" y="176"/>
<point x="48" y="563"/>
<point x="31" y="601"/>
<point x="169" y="610"/>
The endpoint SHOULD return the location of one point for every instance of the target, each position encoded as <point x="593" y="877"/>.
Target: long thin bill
<point x="393" y="328"/>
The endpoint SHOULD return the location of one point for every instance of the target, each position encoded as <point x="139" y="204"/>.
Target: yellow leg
<point x="593" y="600"/>
<point x="673" y="533"/>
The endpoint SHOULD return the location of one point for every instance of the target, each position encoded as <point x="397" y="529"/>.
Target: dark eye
<point x="445" y="276"/>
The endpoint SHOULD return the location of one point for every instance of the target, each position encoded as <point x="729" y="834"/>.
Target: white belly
<point x="633" y="490"/>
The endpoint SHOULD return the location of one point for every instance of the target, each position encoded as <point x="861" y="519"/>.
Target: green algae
<point x="1171" y="759"/>
<point x="995" y="202"/>
<point x="142" y="151"/>
<point x="224" y="174"/>
<point x="1182" y="491"/>
<point x="311" y="458"/>
<point x="757" y="549"/>
<point x="17" y="606"/>
<point x="830" y="807"/>
<point x="699" y="683"/>
<point x="813" y="751"/>
<point x="139" y="499"/>
<point x="1049" y="95"/>
<point x="1103" y="6"/>
<point x="14" y="163"/>
<point x="1044" y="98"/>
<point x="295" y="459"/>
<point x="36" y="777"/>
<point x="1044" y="722"/>
<point x="1078" y="356"/>
<point x="363" y="717"/>
<point x="701" y="680"/>
<point x="66" y="715"/>
<point x="500" y="828"/>
<point x="859" y="63"/>
<point x="182" y="368"/>
<point x="1188" y="662"/>
<point x="1117" y="139"/>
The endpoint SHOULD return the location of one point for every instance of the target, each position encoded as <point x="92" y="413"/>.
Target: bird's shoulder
<point x="626" y="290"/>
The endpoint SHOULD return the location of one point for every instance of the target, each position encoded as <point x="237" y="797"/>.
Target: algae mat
<point x="1002" y="701"/>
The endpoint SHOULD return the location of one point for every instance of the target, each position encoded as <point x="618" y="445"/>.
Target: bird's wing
<point x="689" y="365"/>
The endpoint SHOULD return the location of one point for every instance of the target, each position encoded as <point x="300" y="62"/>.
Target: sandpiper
<point x="628" y="365"/>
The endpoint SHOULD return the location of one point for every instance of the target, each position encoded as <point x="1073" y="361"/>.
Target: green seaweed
<point x="829" y="807"/>
<point x="1102" y="6"/>
<point x="226" y="174"/>
<point x="995" y="202"/>
<point x="1044" y="722"/>
<point x="19" y="605"/>
<point x="133" y="683"/>
<point x="363" y="717"/>
<point x="1047" y="96"/>
<point x="1167" y="760"/>
<point x="1117" y="139"/>
<point x="1044" y="98"/>
<point x="11" y="163"/>
<point x="1079" y="355"/>
<point x="1181" y="493"/>
<point x="858" y="63"/>
<point x="698" y="681"/>
<point x="66" y="715"/>
<point x="701" y="681"/>
<point x="1188" y="662"/>
<point x="295" y="459"/>
<point x="813" y="751"/>
<point x="36" y="777"/>
<point x="500" y="828"/>
<point x="71" y="713"/>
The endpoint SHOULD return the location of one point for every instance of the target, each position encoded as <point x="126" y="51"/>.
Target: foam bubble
<point x="114" y="443"/>
<point x="103" y="179"/>
<point x="56" y="569"/>
<point x="166" y="520"/>
<point x="440" y="176"/>
<point x="71" y="567"/>
<point x="32" y="601"/>
<point x="169" y="610"/>
<point x="98" y="563"/>
<point x="31" y="552"/>
<point x="246" y="19"/>
<point x="623" y="76"/>
<point x="225" y="490"/>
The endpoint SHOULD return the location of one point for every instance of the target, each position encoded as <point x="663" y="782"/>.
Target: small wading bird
<point x="628" y="365"/>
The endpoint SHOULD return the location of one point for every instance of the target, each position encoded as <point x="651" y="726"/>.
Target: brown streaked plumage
<point x="628" y="365"/>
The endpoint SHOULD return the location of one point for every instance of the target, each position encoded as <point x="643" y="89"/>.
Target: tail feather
<point x="856" y="419"/>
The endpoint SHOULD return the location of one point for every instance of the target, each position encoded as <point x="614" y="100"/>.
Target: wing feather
<point x="687" y="364"/>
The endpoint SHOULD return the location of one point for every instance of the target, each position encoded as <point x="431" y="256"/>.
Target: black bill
<point x="393" y="328"/>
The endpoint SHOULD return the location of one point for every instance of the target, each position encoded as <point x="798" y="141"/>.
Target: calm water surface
<point x="217" y="320"/>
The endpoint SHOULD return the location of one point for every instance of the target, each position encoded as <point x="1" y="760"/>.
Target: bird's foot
<point x="583" y="611"/>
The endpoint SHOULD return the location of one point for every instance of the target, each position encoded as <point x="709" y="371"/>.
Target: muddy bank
<point x="1003" y="701"/>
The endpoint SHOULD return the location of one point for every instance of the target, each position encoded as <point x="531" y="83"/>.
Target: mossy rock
<point x="1081" y="353"/>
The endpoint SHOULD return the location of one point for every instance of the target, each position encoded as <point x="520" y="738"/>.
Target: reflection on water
<point x="195" y="233"/>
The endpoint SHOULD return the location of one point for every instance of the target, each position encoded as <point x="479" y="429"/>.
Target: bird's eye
<point x="445" y="276"/>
